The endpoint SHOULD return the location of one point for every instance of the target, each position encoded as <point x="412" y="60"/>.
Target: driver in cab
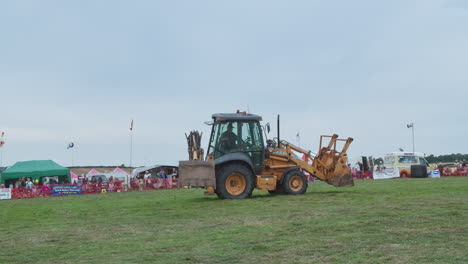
<point x="229" y="139"/>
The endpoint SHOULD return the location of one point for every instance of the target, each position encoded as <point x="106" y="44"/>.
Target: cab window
<point x="250" y="135"/>
<point x="237" y="136"/>
<point x="423" y="161"/>
<point x="253" y="142"/>
<point x="389" y="160"/>
<point x="407" y="159"/>
<point x="225" y="139"/>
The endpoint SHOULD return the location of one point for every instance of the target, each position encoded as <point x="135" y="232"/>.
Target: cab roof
<point x="243" y="116"/>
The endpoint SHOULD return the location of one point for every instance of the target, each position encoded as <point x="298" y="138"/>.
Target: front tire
<point x="295" y="182"/>
<point x="234" y="181"/>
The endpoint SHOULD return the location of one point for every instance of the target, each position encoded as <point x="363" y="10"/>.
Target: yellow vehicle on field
<point x="238" y="161"/>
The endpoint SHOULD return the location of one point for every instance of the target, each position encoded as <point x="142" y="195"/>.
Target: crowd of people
<point x="459" y="168"/>
<point x="26" y="183"/>
<point x="27" y="188"/>
<point x="159" y="180"/>
<point x="460" y="164"/>
<point x="97" y="184"/>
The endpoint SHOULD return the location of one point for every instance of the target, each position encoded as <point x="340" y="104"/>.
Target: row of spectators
<point x="25" y="188"/>
<point x="162" y="174"/>
<point x="23" y="182"/>
<point x="460" y="164"/>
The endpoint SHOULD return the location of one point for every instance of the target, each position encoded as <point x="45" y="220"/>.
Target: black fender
<point x="287" y="171"/>
<point x="235" y="156"/>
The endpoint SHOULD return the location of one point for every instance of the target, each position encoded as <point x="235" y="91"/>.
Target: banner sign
<point x="66" y="189"/>
<point x="5" y="193"/>
<point x="387" y="173"/>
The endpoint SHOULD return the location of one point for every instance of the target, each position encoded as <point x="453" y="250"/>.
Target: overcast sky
<point x="82" y="70"/>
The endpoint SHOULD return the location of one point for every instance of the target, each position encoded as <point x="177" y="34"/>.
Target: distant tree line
<point x="446" y="158"/>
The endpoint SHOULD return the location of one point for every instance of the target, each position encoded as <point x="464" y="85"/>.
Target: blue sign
<point x="66" y="189"/>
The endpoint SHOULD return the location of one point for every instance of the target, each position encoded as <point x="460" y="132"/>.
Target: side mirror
<point x="268" y="127"/>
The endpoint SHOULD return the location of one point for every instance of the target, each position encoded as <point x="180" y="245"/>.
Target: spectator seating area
<point x="96" y="187"/>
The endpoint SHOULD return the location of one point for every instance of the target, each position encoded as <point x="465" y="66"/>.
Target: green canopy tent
<point x="36" y="170"/>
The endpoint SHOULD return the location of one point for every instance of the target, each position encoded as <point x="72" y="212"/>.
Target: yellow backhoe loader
<point x="238" y="161"/>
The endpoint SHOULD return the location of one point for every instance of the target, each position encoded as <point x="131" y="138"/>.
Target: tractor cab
<point x="237" y="133"/>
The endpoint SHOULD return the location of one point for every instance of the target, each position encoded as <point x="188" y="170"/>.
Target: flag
<point x="70" y="145"/>
<point x="409" y="125"/>
<point x="2" y="141"/>
<point x="131" y="125"/>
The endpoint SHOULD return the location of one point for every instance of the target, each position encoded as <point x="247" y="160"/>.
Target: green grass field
<point x="380" y="221"/>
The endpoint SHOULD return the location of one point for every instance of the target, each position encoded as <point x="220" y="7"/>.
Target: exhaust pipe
<point x="278" y="121"/>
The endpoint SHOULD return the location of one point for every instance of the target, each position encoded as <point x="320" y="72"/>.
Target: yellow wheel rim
<point x="296" y="183"/>
<point x="235" y="184"/>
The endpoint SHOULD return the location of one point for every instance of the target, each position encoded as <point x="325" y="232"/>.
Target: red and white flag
<point x="2" y="140"/>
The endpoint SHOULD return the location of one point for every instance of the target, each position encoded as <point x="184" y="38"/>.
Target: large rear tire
<point x="295" y="182"/>
<point x="234" y="181"/>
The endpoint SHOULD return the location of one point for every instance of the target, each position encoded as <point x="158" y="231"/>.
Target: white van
<point x="398" y="164"/>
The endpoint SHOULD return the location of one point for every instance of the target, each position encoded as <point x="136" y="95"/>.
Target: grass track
<point x="381" y="221"/>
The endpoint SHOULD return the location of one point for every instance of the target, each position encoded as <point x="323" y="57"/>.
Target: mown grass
<point x="381" y="221"/>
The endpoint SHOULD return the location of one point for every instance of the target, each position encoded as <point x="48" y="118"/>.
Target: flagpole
<point x="298" y="139"/>
<point x="412" y="130"/>
<point x="131" y="143"/>
<point x="131" y="147"/>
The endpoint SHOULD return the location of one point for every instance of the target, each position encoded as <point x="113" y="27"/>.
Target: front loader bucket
<point x="331" y="165"/>
<point x="341" y="179"/>
<point x="197" y="173"/>
<point x="341" y="176"/>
